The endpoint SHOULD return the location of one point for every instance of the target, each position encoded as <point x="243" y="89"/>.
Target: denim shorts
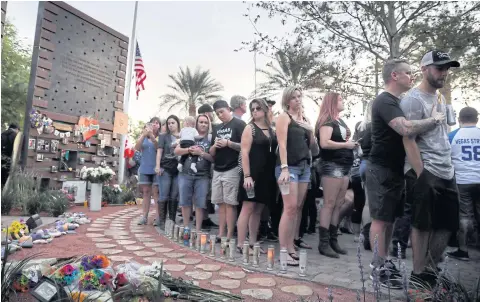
<point x="334" y="170"/>
<point x="299" y="173"/>
<point x="168" y="187"/>
<point x="148" y="179"/>
<point x="193" y="189"/>
<point x="363" y="169"/>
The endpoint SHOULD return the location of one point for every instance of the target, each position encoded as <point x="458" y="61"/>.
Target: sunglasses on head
<point x="257" y="108"/>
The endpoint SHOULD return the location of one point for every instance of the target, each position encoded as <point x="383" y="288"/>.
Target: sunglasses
<point x="258" y="108"/>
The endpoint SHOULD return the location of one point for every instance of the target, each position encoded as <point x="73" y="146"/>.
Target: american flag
<point x="140" y="74"/>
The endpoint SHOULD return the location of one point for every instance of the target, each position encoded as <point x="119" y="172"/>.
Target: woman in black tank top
<point x="337" y="160"/>
<point x="295" y="137"/>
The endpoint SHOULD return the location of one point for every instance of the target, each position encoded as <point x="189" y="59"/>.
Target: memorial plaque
<point x="78" y="70"/>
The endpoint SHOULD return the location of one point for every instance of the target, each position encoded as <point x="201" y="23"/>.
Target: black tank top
<point x="298" y="144"/>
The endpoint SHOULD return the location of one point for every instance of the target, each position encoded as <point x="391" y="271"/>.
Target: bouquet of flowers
<point x="66" y="275"/>
<point x="97" y="175"/>
<point x="95" y="279"/>
<point x="18" y="229"/>
<point x="22" y="283"/>
<point x="94" y="262"/>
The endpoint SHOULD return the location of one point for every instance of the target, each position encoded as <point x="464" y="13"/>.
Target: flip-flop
<point x="294" y="256"/>
<point x="292" y="262"/>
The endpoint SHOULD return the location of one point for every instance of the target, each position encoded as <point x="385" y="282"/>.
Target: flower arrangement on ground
<point x="94" y="262"/>
<point x="97" y="175"/>
<point x="67" y="275"/>
<point x="95" y="279"/>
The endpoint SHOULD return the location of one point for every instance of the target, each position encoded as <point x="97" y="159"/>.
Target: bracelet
<point x="247" y="176"/>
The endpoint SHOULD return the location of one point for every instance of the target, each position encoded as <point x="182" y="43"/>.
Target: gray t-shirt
<point x="434" y="145"/>
<point x="169" y="159"/>
<point x="203" y="165"/>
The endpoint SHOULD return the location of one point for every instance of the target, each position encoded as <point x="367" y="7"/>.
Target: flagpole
<point x="131" y="59"/>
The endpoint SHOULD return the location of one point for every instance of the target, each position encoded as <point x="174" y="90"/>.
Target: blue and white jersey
<point x="465" y="144"/>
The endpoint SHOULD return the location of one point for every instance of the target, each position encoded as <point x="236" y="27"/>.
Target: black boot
<point x="334" y="240"/>
<point x="172" y="209"/>
<point x="324" y="247"/>
<point x="162" y="214"/>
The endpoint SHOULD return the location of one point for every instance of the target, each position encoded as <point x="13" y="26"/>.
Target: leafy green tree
<point x="16" y="60"/>
<point x="190" y="89"/>
<point x="135" y="129"/>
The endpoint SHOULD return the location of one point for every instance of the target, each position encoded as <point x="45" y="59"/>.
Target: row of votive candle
<point x="198" y="241"/>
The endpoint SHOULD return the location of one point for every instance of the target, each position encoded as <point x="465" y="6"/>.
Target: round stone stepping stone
<point x="111" y="251"/>
<point x="116" y="225"/>
<point x="94" y="235"/>
<point x="98" y="225"/>
<point x="111" y="232"/>
<point x="126" y="242"/>
<point x="105" y="245"/>
<point x="95" y="230"/>
<point x="117" y="228"/>
<point x="226" y="283"/>
<point x="262" y="281"/>
<point x="101" y="239"/>
<point x="174" y="267"/>
<point x="121" y="237"/>
<point x="100" y="221"/>
<point x="199" y="275"/>
<point x="155" y="259"/>
<point x="147" y="239"/>
<point x="299" y="290"/>
<point x="144" y="253"/>
<point x="208" y="267"/>
<point x="143" y="235"/>
<point x="152" y="244"/>
<point x="174" y="255"/>
<point x="162" y="249"/>
<point x="258" y="293"/>
<point x="189" y="260"/>
<point x="120" y="258"/>
<point x="137" y="231"/>
<point x="133" y="247"/>
<point x="233" y="274"/>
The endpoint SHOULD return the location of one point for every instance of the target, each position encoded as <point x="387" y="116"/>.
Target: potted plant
<point x="97" y="177"/>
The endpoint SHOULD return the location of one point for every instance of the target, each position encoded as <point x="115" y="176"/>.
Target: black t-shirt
<point x="387" y="146"/>
<point x="340" y="134"/>
<point x="226" y="158"/>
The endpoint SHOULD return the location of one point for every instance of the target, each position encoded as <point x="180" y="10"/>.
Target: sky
<point x="179" y="34"/>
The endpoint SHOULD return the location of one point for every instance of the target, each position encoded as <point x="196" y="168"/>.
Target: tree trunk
<point x="192" y="110"/>
<point x="447" y="90"/>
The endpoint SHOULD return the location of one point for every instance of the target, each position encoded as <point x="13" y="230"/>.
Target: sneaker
<point x="387" y="277"/>
<point x="388" y="264"/>
<point x="142" y="221"/>
<point x="426" y="280"/>
<point x="208" y="223"/>
<point x="459" y="254"/>
<point x="394" y="253"/>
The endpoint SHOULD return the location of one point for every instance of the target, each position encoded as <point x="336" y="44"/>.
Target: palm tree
<point x="190" y="90"/>
<point x="292" y="67"/>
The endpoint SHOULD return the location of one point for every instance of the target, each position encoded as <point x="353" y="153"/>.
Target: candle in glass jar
<point x="303" y="263"/>
<point x="175" y="232"/>
<point x="256" y="255"/>
<point x="270" y="257"/>
<point x="180" y="233"/>
<point x="193" y="237"/>
<point x="203" y="243"/>
<point x="232" y="247"/>
<point x="213" y="239"/>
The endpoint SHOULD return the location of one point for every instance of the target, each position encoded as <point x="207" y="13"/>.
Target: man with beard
<point x="434" y="196"/>
<point x="384" y="176"/>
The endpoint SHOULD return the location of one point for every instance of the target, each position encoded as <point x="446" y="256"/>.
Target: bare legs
<point x="384" y="231"/>
<point x="428" y="248"/>
<point x="147" y="196"/>
<point x="302" y="192"/>
<point x="286" y="228"/>
<point x="199" y="213"/>
<point x="249" y="217"/>
<point x="334" y="190"/>
<point x="227" y="215"/>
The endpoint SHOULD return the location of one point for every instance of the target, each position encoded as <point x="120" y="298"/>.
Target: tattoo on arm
<point x="405" y="127"/>
<point x="234" y="146"/>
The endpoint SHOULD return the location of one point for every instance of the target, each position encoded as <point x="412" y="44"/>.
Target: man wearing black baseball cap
<point x="225" y="149"/>
<point x="207" y="110"/>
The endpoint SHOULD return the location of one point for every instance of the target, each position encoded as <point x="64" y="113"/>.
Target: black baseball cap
<point x="13" y="126"/>
<point x="205" y="108"/>
<point x="220" y="104"/>
<point x="270" y="102"/>
<point x="438" y="58"/>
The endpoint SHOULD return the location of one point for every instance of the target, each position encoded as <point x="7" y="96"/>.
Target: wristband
<point x="247" y="176"/>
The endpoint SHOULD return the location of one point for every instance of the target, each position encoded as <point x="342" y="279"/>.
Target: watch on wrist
<point x="283" y="167"/>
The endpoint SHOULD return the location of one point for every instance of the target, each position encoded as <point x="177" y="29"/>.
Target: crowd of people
<point x="400" y="173"/>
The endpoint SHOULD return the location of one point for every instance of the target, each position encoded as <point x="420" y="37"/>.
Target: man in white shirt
<point x="465" y="142"/>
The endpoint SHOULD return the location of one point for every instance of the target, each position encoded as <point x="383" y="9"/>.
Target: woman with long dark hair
<point x="295" y="138"/>
<point x="337" y="160"/>
<point x="147" y="178"/>
<point x="193" y="185"/>
<point x="258" y="147"/>
<point x="166" y="168"/>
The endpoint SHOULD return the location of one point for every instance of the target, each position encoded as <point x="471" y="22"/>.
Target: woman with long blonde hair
<point x="295" y="138"/>
<point x="337" y="160"/>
